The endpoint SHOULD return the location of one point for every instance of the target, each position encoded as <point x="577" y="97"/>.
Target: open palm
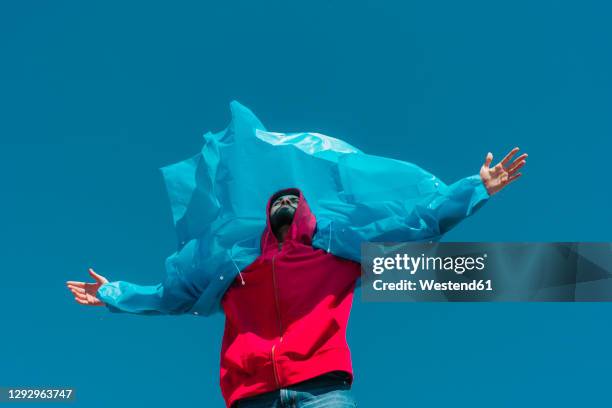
<point x="84" y="292"/>
<point x="499" y="176"/>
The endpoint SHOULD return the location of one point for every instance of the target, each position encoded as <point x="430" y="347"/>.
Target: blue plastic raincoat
<point x="218" y="200"/>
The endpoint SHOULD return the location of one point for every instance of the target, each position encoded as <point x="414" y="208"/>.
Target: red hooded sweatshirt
<point x="287" y="322"/>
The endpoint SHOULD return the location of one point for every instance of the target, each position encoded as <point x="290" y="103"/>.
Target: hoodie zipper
<point x="278" y="316"/>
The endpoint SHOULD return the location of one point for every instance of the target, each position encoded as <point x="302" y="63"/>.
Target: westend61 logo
<point x="412" y="264"/>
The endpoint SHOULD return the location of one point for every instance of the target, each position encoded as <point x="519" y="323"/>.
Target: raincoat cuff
<point x="481" y="192"/>
<point x="104" y="293"/>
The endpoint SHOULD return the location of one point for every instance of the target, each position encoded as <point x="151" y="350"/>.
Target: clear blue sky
<point x="95" y="97"/>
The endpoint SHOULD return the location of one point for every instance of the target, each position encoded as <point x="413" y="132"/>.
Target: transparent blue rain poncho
<point x="219" y="197"/>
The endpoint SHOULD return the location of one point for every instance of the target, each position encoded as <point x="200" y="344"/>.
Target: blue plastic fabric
<point x="218" y="200"/>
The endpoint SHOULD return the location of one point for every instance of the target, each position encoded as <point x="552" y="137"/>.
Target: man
<point x="287" y="322"/>
<point x="284" y="343"/>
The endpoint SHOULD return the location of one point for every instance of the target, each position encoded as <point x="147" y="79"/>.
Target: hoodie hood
<point x="302" y="227"/>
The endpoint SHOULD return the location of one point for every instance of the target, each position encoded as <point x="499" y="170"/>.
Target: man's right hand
<point x="85" y="293"/>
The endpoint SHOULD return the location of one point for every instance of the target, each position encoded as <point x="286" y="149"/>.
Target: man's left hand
<point x="499" y="176"/>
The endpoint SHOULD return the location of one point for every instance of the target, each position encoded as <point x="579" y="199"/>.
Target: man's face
<point x="289" y="202"/>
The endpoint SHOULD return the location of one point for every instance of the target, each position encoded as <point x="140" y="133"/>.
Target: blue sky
<point x="95" y="97"/>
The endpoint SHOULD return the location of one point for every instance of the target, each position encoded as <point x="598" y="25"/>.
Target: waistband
<point x="333" y="377"/>
<point x="330" y="380"/>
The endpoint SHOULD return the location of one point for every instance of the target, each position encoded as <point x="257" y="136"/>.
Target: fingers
<point x="82" y="293"/>
<point x="98" y="278"/>
<point x="514" y="177"/>
<point x="488" y="159"/>
<point x="521" y="157"/>
<point x="78" y="292"/>
<point x="88" y="302"/>
<point x="83" y="302"/>
<point x="80" y="297"/>
<point x="76" y="289"/>
<point x="83" y="298"/>
<point x="515" y="166"/>
<point x="506" y="159"/>
<point x="74" y="286"/>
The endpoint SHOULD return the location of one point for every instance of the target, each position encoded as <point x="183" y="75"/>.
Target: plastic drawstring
<point x="330" y="232"/>
<point x="238" y="269"/>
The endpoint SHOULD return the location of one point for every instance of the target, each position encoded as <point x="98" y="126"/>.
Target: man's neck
<point x="282" y="233"/>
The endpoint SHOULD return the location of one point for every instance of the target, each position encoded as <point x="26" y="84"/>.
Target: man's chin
<point x="283" y="216"/>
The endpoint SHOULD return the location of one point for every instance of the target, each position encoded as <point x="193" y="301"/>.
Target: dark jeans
<point x="331" y="390"/>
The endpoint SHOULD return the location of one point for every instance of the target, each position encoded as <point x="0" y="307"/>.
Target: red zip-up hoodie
<point x="287" y="322"/>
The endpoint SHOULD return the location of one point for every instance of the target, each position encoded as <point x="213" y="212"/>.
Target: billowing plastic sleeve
<point x="393" y="201"/>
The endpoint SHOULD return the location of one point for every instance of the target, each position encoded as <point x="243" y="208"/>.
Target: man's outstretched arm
<point x="393" y="201"/>
<point x="170" y="297"/>
<point x="464" y="197"/>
